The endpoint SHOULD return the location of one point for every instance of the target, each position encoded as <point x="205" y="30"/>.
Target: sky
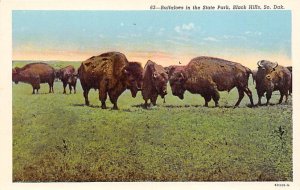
<point x="165" y="37"/>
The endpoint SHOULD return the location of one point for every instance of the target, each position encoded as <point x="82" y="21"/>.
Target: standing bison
<point x="155" y="81"/>
<point x="35" y="74"/>
<point x="207" y="75"/>
<point x="271" y="77"/>
<point x="68" y="76"/>
<point x="111" y="73"/>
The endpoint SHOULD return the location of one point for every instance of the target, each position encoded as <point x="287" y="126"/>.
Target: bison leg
<point x="281" y="98"/>
<point x="64" y="85"/>
<point x="70" y="88"/>
<point x="153" y="100"/>
<point x="113" y="96"/>
<point x="286" y="97"/>
<point x="103" y="94"/>
<point x="286" y="94"/>
<point x="249" y="94"/>
<point x="241" y="96"/>
<point x="207" y="99"/>
<point x="86" y="96"/>
<point x="259" y="100"/>
<point x="216" y="98"/>
<point x="114" y="101"/>
<point x="268" y="96"/>
<point x="146" y="104"/>
<point x="51" y="86"/>
<point x="74" y="88"/>
<point x="102" y="98"/>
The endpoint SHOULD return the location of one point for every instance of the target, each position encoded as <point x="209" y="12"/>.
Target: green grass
<point x="57" y="138"/>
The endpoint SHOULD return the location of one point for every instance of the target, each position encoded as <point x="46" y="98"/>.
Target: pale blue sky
<point x="171" y="32"/>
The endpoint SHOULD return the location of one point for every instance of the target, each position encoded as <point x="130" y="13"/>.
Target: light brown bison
<point x="208" y="75"/>
<point x="35" y="74"/>
<point x="290" y="68"/>
<point x="155" y="81"/>
<point x="111" y="73"/>
<point x="68" y="76"/>
<point x="272" y="77"/>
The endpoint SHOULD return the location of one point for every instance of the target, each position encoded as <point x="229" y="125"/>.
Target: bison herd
<point x="111" y="74"/>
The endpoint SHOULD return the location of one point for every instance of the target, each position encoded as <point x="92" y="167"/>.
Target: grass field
<point x="57" y="138"/>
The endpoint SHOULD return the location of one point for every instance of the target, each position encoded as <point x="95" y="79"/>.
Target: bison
<point x="155" y="81"/>
<point x="35" y="74"/>
<point x="290" y="68"/>
<point x="111" y="73"/>
<point x="208" y="75"/>
<point x="272" y="77"/>
<point x="68" y="76"/>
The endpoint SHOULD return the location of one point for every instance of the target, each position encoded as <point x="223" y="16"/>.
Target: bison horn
<point x="276" y="64"/>
<point x="125" y="71"/>
<point x="181" y="75"/>
<point x="258" y="64"/>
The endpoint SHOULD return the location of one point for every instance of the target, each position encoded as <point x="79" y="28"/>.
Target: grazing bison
<point x="111" y="73"/>
<point x="290" y="68"/>
<point x="271" y="77"/>
<point x="155" y="81"/>
<point x="35" y="74"/>
<point x="207" y="75"/>
<point x="68" y="76"/>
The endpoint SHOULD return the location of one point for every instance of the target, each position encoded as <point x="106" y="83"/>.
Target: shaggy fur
<point x="111" y="74"/>
<point x="270" y="78"/>
<point x="155" y="81"/>
<point x="207" y="75"/>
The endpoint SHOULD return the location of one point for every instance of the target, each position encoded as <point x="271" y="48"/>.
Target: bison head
<point x="16" y="75"/>
<point x="58" y="74"/>
<point x="160" y="81"/>
<point x="134" y="77"/>
<point x="177" y="82"/>
<point x="73" y="78"/>
<point x="264" y="74"/>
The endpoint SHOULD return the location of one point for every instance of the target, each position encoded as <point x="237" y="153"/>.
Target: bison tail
<point x="249" y="72"/>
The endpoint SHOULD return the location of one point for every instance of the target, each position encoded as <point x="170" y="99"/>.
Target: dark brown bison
<point x="35" y="74"/>
<point x="111" y="73"/>
<point x="68" y="76"/>
<point x="290" y="68"/>
<point x="272" y="77"/>
<point x="207" y="75"/>
<point x="155" y="81"/>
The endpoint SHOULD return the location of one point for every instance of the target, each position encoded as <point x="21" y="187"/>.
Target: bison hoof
<point x="87" y="103"/>
<point x="115" y="108"/>
<point x="103" y="107"/>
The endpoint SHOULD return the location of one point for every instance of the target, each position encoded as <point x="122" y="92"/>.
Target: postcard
<point x="152" y="94"/>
